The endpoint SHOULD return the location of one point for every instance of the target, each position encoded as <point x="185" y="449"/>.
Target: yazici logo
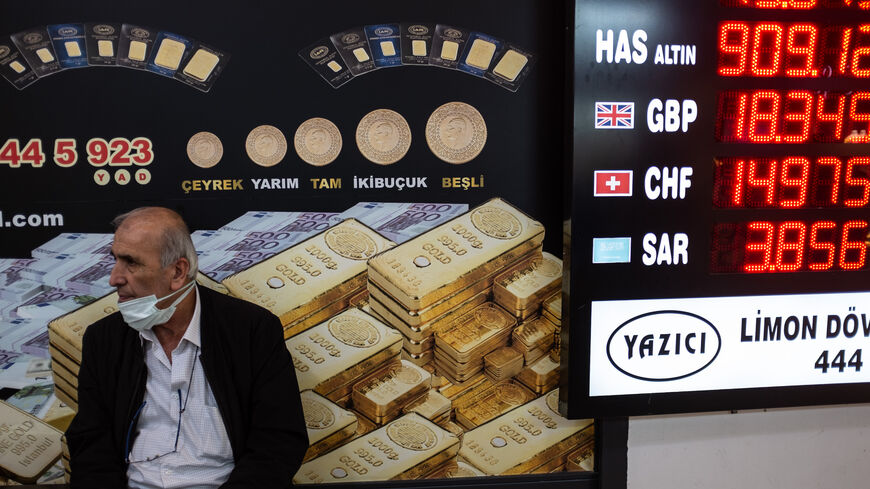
<point x="663" y="345"/>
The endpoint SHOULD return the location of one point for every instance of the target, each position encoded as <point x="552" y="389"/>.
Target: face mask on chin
<point x="142" y="313"/>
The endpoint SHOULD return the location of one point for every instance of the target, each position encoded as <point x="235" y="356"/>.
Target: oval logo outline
<point x="668" y="311"/>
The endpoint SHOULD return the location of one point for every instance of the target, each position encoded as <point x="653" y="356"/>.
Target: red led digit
<point x="737" y="199"/>
<point x="805" y="51"/>
<point x="732" y="54"/>
<point x="855" y="260"/>
<point x="859" y="53"/>
<point x="843" y="65"/>
<point x="790" y="246"/>
<point x="821" y="246"/>
<point x="856" y="181"/>
<point x="740" y="128"/>
<point x="799" y="184"/>
<point x="768" y="183"/>
<point x="859" y="116"/>
<point x="763" y="247"/>
<point x="834" y="117"/>
<point x="767" y="39"/>
<point x="802" y="118"/>
<point x="834" y="163"/>
<point x="770" y="115"/>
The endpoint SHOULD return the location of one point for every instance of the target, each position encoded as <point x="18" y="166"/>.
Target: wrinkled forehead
<point x="138" y="237"/>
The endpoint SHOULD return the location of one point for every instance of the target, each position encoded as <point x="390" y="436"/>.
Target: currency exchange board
<point x="385" y="177"/>
<point x="721" y="184"/>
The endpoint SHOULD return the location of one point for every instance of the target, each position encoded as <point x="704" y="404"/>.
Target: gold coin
<point x="456" y="132"/>
<point x="317" y="141"/>
<point x="383" y="136"/>
<point x="205" y="149"/>
<point x="266" y="145"/>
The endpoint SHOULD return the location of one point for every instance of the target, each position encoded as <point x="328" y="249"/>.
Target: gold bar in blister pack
<point x="422" y="330"/>
<point x="210" y="283"/>
<point x="418" y="359"/>
<point x="66" y="332"/>
<point x="384" y="392"/>
<point x="406" y="448"/>
<point x="341" y="350"/>
<point x="30" y="460"/>
<point x="328" y="425"/>
<point x="462" y="251"/>
<point x="523" y="438"/>
<point x="480" y="407"/>
<point x="540" y="375"/>
<point x="475" y="333"/>
<point x="552" y="308"/>
<point x="581" y="459"/>
<point x="523" y="290"/>
<point x="454" y="469"/>
<point x="311" y="274"/>
<point x="431" y="405"/>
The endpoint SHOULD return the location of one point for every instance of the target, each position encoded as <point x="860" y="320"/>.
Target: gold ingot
<point x="309" y="275"/>
<point x="504" y="359"/>
<point x="211" y="284"/>
<point x="28" y="463"/>
<point x="582" y="459"/>
<point x="340" y="350"/>
<point x="60" y="358"/>
<point x="341" y="395"/>
<point x="454" y="469"/>
<point x="479" y="407"/>
<point x="534" y="333"/>
<point x="417" y="348"/>
<point x="385" y="391"/>
<point x="431" y="405"/>
<point x="59" y="371"/>
<point x="61" y="389"/>
<point x="455" y="429"/>
<point x="328" y="425"/>
<point x="523" y="290"/>
<point x="475" y="333"/>
<point x="316" y="317"/>
<point x="404" y="449"/>
<point x="418" y="359"/>
<point x="453" y="390"/>
<point x="543" y="372"/>
<point x="389" y="310"/>
<point x="524" y="438"/>
<point x="552" y="308"/>
<point x="66" y="332"/>
<point x="364" y="425"/>
<point x="59" y="415"/>
<point x="462" y="251"/>
<point x="359" y="300"/>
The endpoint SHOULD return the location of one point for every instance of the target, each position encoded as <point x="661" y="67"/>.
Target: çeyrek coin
<point x="266" y="145"/>
<point x="383" y="136"/>
<point x="205" y="149"/>
<point x="317" y="141"/>
<point x="456" y="132"/>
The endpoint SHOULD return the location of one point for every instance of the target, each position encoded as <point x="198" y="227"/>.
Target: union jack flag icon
<point x="614" y="115"/>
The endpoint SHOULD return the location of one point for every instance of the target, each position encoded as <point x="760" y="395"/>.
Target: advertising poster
<point x="385" y="177"/>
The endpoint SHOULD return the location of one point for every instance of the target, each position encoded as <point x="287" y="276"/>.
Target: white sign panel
<point x="713" y="343"/>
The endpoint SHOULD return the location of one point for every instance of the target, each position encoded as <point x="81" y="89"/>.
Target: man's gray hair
<point x="176" y="237"/>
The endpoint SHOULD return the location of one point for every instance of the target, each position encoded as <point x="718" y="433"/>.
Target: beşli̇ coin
<point x="456" y="132"/>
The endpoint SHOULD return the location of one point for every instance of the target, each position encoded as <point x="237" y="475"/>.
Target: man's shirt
<point x="204" y="458"/>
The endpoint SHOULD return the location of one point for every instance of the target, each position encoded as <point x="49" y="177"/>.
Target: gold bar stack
<point x="534" y="338"/>
<point x="407" y="448"/>
<point x="459" y="349"/>
<point x="532" y="438"/>
<point x="522" y="291"/>
<point x="312" y="280"/>
<point x="431" y="282"/>
<point x="503" y="363"/>
<point x="381" y="395"/>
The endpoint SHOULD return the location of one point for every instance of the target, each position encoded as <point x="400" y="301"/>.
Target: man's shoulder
<point x="220" y="306"/>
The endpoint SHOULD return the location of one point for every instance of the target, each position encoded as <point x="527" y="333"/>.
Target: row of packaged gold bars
<point x="419" y="378"/>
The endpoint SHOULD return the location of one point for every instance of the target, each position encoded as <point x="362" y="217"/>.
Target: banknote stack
<point x="400" y="222"/>
<point x="437" y="279"/>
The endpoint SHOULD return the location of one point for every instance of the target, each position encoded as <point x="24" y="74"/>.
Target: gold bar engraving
<point x="31" y="459"/>
<point x="475" y="333"/>
<point x="524" y="438"/>
<point x="478" y="407"/>
<point x="340" y="350"/>
<point x="462" y="251"/>
<point x="404" y="449"/>
<point x="383" y="393"/>
<point x="328" y="425"/>
<point x="311" y="274"/>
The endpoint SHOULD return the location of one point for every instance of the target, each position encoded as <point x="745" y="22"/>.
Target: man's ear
<point x="179" y="273"/>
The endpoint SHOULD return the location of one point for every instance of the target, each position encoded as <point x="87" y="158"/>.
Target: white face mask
<point x="142" y="313"/>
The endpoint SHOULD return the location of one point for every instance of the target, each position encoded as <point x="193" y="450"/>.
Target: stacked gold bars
<point x="503" y="363"/>
<point x="522" y="291"/>
<point x="312" y="280"/>
<point x="534" y="338"/>
<point x="459" y="349"/>
<point x="434" y="280"/>
<point x="551" y="309"/>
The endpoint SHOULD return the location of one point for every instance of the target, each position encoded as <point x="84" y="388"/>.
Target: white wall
<point x="798" y="448"/>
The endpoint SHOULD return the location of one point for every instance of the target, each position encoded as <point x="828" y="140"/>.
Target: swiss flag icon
<point x="613" y="183"/>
